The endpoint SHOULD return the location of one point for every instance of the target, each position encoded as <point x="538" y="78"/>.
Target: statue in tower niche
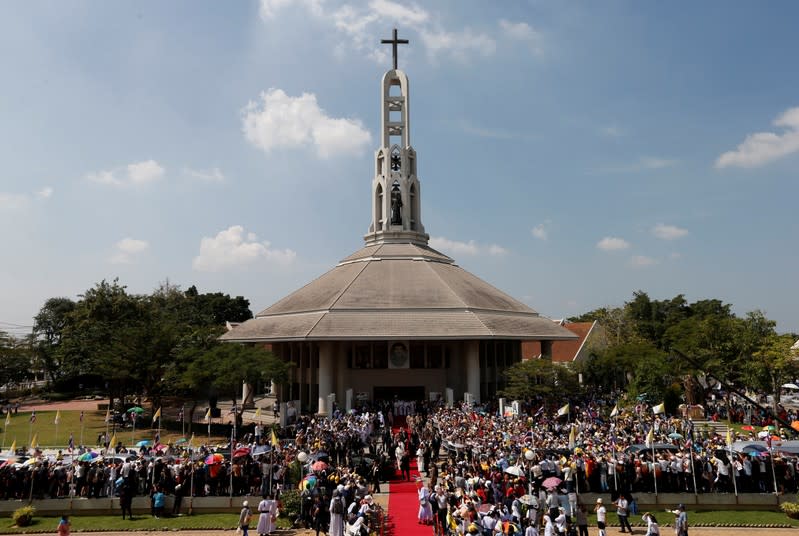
<point x="396" y="205"/>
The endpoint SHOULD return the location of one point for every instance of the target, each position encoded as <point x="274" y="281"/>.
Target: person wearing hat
<point x="652" y="527"/>
<point x="244" y="518"/>
<point x="681" y="523"/>
<point x="601" y="516"/>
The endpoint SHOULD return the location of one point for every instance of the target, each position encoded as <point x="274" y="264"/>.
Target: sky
<point x="569" y="153"/>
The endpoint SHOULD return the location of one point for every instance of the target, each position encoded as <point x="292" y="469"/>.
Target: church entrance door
<point x="390" y="393"/>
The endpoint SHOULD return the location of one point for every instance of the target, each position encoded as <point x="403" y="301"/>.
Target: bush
<point x="290" y="504"/>
<point x="23" y="516"/>
<point x="791" y="509"/>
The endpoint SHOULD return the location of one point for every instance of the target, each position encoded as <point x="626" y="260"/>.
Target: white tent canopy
<point x="790" y="386"/>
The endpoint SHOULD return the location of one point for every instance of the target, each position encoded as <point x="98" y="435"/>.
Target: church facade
<point x="396" y="319"/>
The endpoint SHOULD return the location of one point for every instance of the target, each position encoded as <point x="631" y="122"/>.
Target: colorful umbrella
<point x="181" y="441"/>
<point x="748" y="428"/>
<point x="241" y="451"/>
<point x="309" y="482"/>
<point x="214" y="459"/>
<point x="795" y="425"/>
<point x="319" y="466"/>
<point x="551" y="482"/>
<point x="136" y="409"/>
<point x="87" y="456"/>
<point x="160" y="447"/>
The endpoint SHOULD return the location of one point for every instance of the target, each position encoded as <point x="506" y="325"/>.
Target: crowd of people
<point x="480" y="472"/>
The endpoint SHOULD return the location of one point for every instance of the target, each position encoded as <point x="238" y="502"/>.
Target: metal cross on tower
<point x="394" y="42"/>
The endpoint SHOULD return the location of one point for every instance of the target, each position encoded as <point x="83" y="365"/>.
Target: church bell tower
<point x="396" y="193"/>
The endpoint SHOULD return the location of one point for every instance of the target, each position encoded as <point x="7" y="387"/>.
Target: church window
<point x="379" y="207"/>
<point x="434" y="356"/>
<point x="380" y="355"/>
<point x="417" y="355"/>
<point x="413" y="206"/>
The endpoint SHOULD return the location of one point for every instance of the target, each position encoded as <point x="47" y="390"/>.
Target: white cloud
<point x="455" y="247"/>
<point x="231" y="248"/>
<point x="641" y="261"/>
<point x="668" y="232"/>
<point x="540" y="231"/>
<point x="611" y="243"/>
<point x="135" y="174"/>
<point x="12" y="201"/>
<point x="611" y="131"/>
<point x="403" y="15"/>
<point x="644" y="163"/>
<point x="9" y="201"/>
<point x="127" y="249"/>
<point x="460" y="45"/>
<point x="44" y="193"/>
<point x="360" y="23"/>
<point x="279" y="121"/>
<point x="521" y="31"/>
<point x="208" y="175"/>
<point x="483" y="132"/>
<point x="761" y="148"/>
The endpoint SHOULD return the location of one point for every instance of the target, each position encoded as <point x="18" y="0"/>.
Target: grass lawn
<point x="48" y="435"/>
<point x="140" y="522"/>
<point x="228" y="521"/>
<point x="711" y="518"/>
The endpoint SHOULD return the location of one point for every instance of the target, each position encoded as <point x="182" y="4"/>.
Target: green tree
<point x="221" y="369"/>
<point x="48" y="326"/>
<point x="772" y="365"/>
<point x="15" y="360"/>
<point x="532" y="378"/>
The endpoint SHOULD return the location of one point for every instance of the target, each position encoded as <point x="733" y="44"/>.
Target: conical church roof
<point x="397" y="291"/>
<point x="397" y="287"/>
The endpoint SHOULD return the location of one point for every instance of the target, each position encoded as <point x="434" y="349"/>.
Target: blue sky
<point x="569" y="153"/>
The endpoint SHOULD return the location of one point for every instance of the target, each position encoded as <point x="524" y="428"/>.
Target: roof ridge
<point x="491" y="331"/>
<point x="346" y="288"/>
<point x="447" y="285"/>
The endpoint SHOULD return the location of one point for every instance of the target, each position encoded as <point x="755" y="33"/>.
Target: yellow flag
<point x="208" y="415"/>
<point x="660" y="408"/>
<point x="615" y="411"/>
<point x="275" y="441"/>
<point x="35" y="441"/>
<point x="729" y="437"/>
<point x="113" y="442"/>
<point x="257" y="412"/>
<point x="191" y="441"/>
<point x="108" y="415"/>
<point x="563" y="411"/>
<point x="571" y="438"/>
<point x="8" y="419"/>
<point x="157" y="414"/>
<point x="57" y="417"/>
<point x="13" y="448"/>
<point x="650" y="437"/>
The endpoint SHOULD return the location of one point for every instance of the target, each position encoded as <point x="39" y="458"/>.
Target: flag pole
<point x="81" y="428"/>
<point x="771" y="455"/>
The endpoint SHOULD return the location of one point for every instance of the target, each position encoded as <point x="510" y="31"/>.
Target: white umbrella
<point x="514" y="470"/>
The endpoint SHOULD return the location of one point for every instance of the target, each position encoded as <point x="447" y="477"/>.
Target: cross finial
<point x="394" y="42"/>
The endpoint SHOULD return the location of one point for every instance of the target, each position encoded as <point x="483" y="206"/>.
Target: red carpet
<point x="403" y="506"/>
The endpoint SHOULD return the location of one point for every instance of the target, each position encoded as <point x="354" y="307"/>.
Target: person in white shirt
<point x="601" y="516"/>
<point x="652" y="527"/>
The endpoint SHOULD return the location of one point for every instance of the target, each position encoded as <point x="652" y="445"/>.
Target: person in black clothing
<point x="405" y="466"/>
<point x="126" y="499"/>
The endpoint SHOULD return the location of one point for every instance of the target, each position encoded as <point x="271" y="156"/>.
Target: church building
<point x="396" y="318"/>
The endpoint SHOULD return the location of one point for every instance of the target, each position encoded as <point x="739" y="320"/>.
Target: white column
<point x="472" y="358"/>
<point x="326" y="380"/>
